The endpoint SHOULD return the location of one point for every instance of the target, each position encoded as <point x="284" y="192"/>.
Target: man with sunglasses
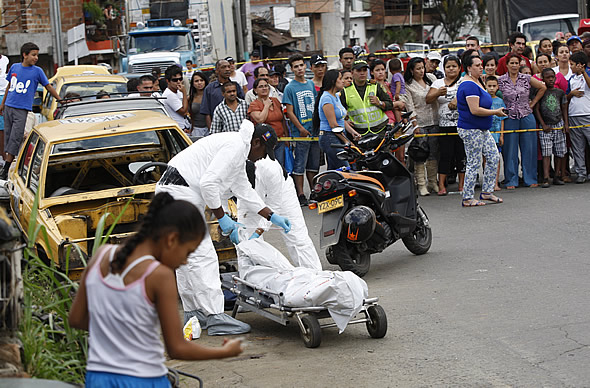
<point x="176" y="102"/>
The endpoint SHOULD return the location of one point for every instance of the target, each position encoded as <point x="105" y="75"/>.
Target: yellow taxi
<point x="82" y="168"/>
<point x="84" y="83"/>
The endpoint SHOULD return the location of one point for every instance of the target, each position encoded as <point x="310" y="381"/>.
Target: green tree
<point x="399" y="35"/>
<point x="453" y="14"/>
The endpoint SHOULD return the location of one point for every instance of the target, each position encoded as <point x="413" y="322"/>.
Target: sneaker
<point x="557" y="181"/>
<point x="581" y="179"/>
<point x="302" y="200"/>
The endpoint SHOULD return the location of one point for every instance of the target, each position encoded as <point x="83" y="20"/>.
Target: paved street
<point x="501" y="299"/>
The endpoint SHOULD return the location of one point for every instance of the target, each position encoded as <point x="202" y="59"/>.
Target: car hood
<point x="155" y="56"/>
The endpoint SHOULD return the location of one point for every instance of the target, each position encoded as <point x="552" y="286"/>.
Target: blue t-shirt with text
<point x="339" y="110"/>
<point x="302" y="97"/>
<point x="23" y="81"/>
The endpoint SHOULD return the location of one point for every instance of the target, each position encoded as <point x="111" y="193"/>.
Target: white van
<point x="546" y="26"/>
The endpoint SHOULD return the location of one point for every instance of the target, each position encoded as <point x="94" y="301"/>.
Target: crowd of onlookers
<point x="518" y="91"/>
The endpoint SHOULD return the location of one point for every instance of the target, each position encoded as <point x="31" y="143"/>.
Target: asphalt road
<point x="501" y="299"/>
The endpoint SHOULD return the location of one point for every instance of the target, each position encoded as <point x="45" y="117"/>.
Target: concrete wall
<point x="222" y="29"/>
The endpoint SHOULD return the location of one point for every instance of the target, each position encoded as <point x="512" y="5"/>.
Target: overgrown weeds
<point x="52" y="349"/>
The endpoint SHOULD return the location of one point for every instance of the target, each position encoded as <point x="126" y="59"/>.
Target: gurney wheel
<point x="378" y="327"/>
<point x="313" y="337"/>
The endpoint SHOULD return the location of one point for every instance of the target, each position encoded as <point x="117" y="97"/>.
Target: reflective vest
<point x="363" y="114"/>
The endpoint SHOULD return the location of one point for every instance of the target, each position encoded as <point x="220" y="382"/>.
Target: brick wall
<point x="36" y="19"/>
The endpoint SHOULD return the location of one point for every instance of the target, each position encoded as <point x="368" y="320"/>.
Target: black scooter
<point x="366" y="209"/>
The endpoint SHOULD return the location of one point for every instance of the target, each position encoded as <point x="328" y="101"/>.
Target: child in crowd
<point x="23" y="79"/>
<point x="397" y="86"/>
<point x="524" y="69"/>
<point x="498" y="122"/>
<point x="128" y="293"/>
<point x="551" y="113"/>
<point x="579" y="112"/>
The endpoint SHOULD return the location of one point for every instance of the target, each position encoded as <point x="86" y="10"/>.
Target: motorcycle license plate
<point x="331" y="204"/>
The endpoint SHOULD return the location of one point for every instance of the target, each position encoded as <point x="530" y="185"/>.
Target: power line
<point x="18" y="17"/>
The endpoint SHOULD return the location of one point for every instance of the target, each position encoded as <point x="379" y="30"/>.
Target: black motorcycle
<point x="369" y="207"/>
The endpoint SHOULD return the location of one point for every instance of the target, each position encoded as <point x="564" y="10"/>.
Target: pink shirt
<point x="560" y="81"/>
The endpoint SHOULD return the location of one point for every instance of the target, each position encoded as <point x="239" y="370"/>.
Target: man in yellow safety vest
<point x="365" y="101"/>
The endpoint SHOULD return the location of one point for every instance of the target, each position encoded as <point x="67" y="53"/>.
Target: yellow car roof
<point x="79" y="69"/>
<point x="102" y="124"/>
<point x="74" y="78"/>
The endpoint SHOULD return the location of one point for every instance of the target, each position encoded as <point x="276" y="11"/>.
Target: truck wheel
<point x="350" y="259"/>
<point x="313" y="337"/>
<point x="377" y="328"/>
<point x="421" y="238"/>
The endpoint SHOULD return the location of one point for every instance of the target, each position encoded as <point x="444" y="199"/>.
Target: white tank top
<point x="124" y="326"/>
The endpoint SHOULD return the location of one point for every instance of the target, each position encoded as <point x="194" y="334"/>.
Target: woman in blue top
<point x="329" y="116"/>
<point x="475" y="121"/>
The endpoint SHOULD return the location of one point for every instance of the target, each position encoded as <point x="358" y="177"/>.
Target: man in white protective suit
<point x="206" y="174"/>
<point x="277" y="190"/>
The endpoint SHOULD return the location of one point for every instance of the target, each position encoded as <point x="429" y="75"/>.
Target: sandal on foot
<point x="472" y="203"/>
<point x="534" y="185"/>
<point x="510" y="187"/>
<point x="546" y="184"/>
<point x="490" y="197"/>
<point x="442" y="192"/>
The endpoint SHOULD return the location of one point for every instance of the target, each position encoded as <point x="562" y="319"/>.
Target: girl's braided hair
<point x="165" y="215"/>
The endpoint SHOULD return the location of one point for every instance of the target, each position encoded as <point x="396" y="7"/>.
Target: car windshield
<point x="545" y="28"/>
<point x="92" y="88"/>
<point x="120" y="140"/>
<point x="111" y="105"/>
<point x="160" y="41"/>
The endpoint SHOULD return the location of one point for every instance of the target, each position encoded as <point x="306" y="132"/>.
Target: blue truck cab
<point x="158" y="43"/>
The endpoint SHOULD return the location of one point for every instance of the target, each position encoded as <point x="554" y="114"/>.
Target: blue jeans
<point x="326" y="139"/>
<point x="527" y="141"/>
<point x="280" y="153"/>
<point x="307" y="157"/>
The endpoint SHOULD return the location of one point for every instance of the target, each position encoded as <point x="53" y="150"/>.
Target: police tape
<point x="296" y="139"/>
<point x="377" y="53"/>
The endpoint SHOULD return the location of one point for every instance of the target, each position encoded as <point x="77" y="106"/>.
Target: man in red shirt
<point x="517" y="43"/>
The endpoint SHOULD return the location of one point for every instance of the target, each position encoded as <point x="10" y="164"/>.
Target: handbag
<point x="419" y="150"/>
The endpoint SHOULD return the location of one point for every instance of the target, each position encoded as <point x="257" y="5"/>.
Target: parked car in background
<point x="109" y="105"/>
<point x="87" y="83"/>
<point x="416" y="50"/>
<point x="546" y="26"/>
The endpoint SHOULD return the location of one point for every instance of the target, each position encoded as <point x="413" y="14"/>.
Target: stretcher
<point x="311" y="320"/>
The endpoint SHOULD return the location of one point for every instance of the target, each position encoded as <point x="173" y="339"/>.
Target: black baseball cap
<point x="318" y="59"/>
<point x="360" y="64"/>
<point x="229" y="59"/>
<point x="255" y="53"/>
<point x="273" y="72"/>
<point x="268" y="136"/>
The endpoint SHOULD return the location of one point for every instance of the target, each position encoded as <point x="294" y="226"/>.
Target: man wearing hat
<point x="432" y="61"/>
<point x="237" y="76"/>
<point x="365" y="101"/>
<point x="248" y="68"/>
<point x="318" y="66"/>
<point x="574" y="43"/>
<point x="207" y="173"/>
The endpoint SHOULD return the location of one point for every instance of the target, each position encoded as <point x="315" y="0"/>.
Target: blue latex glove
<point x="280" y="221"/>
<point x="234" y="237"/>
<point x="254" y="235"/>
<point x="227" y="225"/>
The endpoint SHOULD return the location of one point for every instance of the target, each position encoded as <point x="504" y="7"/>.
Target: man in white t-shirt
<point x="3" y="85"/>
<point x="237" y="76"/>
<point x="176" y="101"/>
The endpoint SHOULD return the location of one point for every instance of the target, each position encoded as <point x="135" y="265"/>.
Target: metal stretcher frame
<point x="259" y="300"/>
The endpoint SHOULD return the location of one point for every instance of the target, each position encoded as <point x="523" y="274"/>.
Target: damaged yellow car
<point x="84" y="167"/>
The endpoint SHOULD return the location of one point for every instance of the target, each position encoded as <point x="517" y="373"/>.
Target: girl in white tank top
<point x="128" y="293"/>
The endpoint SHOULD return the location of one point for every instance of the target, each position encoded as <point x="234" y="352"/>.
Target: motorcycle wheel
<point x="420" y="240"/>
<point x="350" y="259"/>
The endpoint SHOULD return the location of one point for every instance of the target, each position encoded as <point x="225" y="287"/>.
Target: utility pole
<point x="346" y="35"/>
<point x="582" y="9"/>
<point x="55" y="13"/>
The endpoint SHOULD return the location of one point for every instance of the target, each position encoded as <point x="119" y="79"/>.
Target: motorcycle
<point x="366" y="209"/>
